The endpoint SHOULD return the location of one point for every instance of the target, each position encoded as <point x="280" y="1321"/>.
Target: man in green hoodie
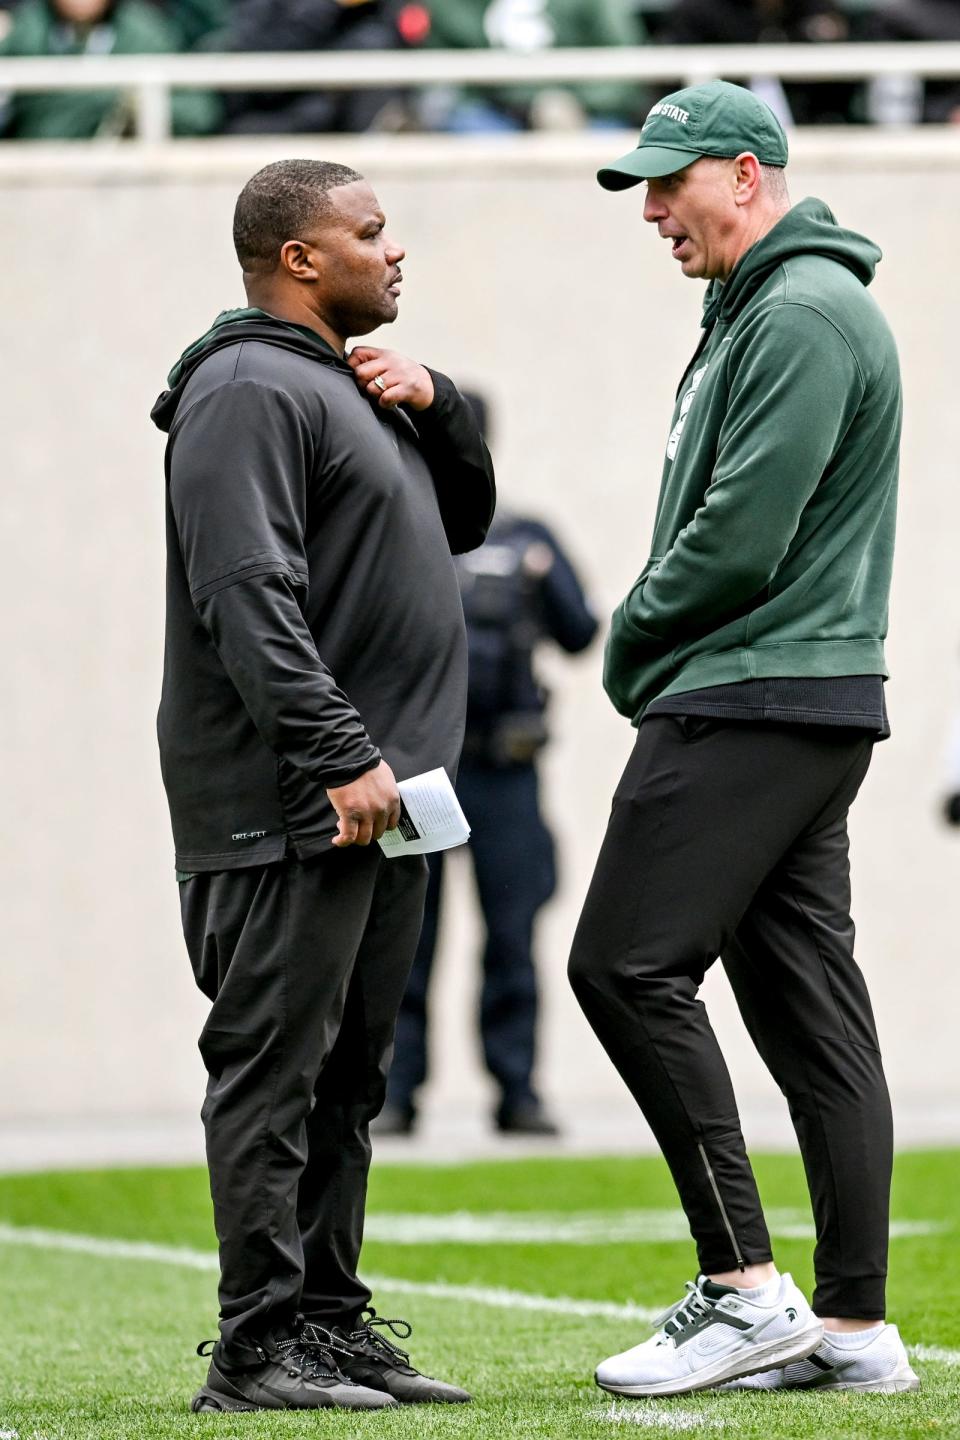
<point x="749" y="654"/>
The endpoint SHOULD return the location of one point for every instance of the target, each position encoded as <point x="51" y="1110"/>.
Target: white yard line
<point x="649" y="1415"/>
<point x="544" y="1227"/>
<point x="934" y="1354"/>
<point x="501" y="1299"/>
<point x="108" y="1249"/>
<point x="585" y="1227"/>
<point x="496" y="1298"/>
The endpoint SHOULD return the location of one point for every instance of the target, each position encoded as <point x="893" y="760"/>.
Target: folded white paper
<point x="430" y="817"/>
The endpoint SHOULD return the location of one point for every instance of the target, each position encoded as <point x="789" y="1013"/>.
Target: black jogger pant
<point x="306" y="964"/>
<point x="730" y="839"/>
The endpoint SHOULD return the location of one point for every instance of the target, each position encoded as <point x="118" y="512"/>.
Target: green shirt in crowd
<point x="527" y="25"/>
<point x="132" y="27"/>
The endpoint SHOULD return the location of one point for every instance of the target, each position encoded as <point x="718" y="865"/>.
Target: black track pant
<point x="306" y="965"/>
<point x="730" y="839"/>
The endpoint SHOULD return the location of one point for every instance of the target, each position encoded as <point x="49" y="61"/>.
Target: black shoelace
<point x="312" y="1351"/>
<point x="365" y="1334"/>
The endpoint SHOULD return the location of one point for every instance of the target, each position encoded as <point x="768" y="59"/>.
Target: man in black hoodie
<point x="315" y="653"/>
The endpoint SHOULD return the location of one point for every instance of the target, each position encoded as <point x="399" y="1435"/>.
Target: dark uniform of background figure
<point x="518" y="590"/>
<point x="951" y="799"/>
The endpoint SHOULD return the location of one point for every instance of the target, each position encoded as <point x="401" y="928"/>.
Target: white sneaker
<point x="715" y="1334"/>
<point x="881" y="1364"/>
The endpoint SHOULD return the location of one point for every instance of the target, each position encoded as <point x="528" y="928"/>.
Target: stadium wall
<point x="522" y="279"/>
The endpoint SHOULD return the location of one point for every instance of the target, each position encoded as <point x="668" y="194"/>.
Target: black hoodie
<point x="313" y="613"/>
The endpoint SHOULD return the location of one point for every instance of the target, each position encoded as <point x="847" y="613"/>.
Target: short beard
<point x="360" y="320"/>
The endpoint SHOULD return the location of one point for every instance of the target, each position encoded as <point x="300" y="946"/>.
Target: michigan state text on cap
<point x="717" y="119"/>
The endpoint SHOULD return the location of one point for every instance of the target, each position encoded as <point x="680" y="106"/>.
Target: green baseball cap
<point x="713" y="119"/>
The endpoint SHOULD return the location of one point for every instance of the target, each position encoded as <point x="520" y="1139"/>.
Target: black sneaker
<point x="526" y="1118"/>
<point x="291" y="1376"/>
<point x="370" y="1359"/>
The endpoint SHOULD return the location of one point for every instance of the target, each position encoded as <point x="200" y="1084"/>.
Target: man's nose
<point x="394" y="253"/>
<point x="653" y="209"/>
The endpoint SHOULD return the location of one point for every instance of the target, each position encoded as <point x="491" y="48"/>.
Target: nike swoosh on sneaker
<point x="828" y="1371"/>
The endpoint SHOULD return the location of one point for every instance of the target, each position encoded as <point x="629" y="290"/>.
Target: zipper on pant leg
<point x="741" y="1264"/>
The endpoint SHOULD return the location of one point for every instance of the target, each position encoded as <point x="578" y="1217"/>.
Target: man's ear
<point x="746" y="177"/>
<point x="297" y="259"/>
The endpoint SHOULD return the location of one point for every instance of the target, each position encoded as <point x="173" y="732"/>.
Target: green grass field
<point x="518" y="1276"/>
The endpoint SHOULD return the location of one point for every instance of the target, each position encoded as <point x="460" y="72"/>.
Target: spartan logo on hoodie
<point x="518" y="25"/>
<point x="674" y="442"/>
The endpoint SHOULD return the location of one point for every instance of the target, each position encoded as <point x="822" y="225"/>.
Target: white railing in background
<point x="148" y="79"/>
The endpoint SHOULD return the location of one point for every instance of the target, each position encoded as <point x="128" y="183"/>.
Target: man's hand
<point x="366" y="807"/>
<point x="392" y="378"/>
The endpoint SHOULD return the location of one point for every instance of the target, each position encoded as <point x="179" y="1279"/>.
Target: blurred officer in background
<point x="518" y="590"/>
<point x="951" y="800"/>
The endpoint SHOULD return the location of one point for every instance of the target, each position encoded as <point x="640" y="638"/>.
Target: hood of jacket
<point x="230" y="327"/>
<point x="809" y="228"/>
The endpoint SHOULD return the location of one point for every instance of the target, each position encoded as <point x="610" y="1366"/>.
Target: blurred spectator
<point x="196" y="19"/>
<point x="263" y="25"/>
<point x="951" y="800"/>
<point x="93" y="27"/>
<point x="519" y="590"/>
<point x="527" y="25"/>
<point x="747" y="22"/>
<point x="898" y="99"/>
<point x="951" y="805"/>
<point x="772" y="22"/>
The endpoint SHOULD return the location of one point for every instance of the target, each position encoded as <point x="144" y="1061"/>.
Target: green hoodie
<point x="246" y="315"/>
<point x="773" y="542"/>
